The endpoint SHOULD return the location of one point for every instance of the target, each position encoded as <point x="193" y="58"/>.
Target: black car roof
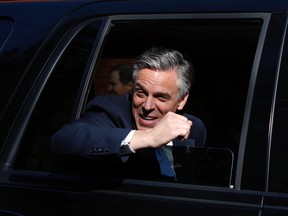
<point x="153" y="6"/>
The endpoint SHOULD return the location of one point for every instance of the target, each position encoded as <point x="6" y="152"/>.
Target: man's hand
<point x="171" y="126"/>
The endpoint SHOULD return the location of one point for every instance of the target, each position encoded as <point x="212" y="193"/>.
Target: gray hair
<point x="166" y="59"/>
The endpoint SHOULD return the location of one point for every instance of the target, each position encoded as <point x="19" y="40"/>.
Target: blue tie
<point x="165" y="159"/>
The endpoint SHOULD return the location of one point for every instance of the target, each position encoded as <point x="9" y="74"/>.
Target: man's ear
<point x="183" y="101"/>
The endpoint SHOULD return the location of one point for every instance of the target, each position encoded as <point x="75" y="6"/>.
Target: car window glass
<point x="55" y="106"/>
<point x="6" y="27"/>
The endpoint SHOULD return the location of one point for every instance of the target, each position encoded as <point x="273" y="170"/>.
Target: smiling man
<point x="139" y="128"/>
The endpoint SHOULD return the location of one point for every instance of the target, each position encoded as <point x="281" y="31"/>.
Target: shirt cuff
<point x="125" y="148"/>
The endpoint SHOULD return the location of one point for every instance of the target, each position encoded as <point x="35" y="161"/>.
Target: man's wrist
<point x="125" y="147"/>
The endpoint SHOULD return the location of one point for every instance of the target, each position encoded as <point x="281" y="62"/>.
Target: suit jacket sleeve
<point x="105" y="123"/>
<point x="198" y="131"/>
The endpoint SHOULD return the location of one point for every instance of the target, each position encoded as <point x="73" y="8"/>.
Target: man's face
<point x="116" y="87"/>
<point x="155" y="94"/>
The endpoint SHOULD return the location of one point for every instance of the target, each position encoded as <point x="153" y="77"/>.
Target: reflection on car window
<point x="56" y="104"/>
<point x="6" y="26"/>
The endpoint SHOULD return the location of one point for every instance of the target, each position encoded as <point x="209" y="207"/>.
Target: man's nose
<point x="149" y="103"/>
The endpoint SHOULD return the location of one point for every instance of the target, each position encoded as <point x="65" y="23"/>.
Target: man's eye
<point x="163" y="99"/>
<point x="139" y="92"/>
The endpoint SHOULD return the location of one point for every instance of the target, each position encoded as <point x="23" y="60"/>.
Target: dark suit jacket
<point x="106" y="122"/>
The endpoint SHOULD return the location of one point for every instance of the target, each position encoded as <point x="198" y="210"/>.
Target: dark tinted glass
<point x="6" y="27"/>
<point x="56" y="104"/>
